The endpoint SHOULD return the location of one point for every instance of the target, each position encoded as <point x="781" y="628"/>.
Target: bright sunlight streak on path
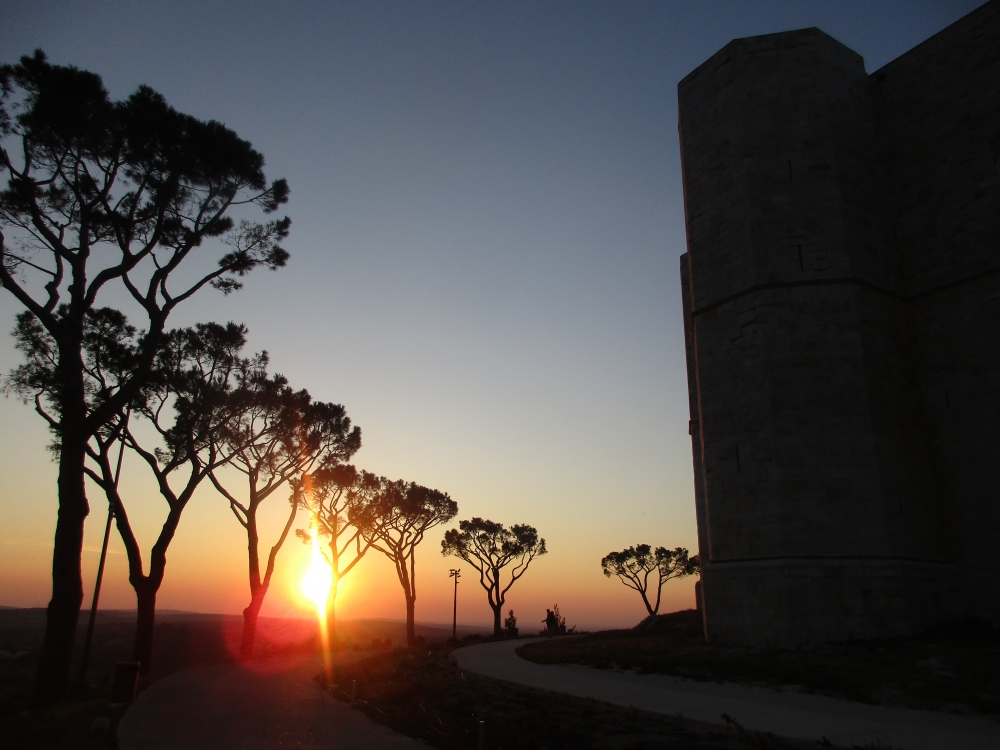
<point x="272" y="703"/>
<point x="785" y="713"/>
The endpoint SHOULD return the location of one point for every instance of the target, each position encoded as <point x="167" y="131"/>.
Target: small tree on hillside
<point x="395" y="522"/>
<point x="338" y="497"/>
<point x="280" y="434"/>
<point x="489" y="548"/>
<point x="635" y="565"/>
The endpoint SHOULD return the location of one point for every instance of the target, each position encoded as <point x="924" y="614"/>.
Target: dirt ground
<point x="954" y="668"/>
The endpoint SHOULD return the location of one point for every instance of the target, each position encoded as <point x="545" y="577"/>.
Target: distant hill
<point x="365" y="624"/>
<point x="186" y="639"/>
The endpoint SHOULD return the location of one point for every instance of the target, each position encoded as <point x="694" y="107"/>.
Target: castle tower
<point x="827" y="476"/>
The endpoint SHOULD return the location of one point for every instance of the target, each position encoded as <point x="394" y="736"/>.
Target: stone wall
<point x="836" y="496"/>
<point x="939" y="121"/>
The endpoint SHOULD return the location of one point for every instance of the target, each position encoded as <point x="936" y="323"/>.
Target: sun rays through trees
<point x="278" y="436"/>
<point x="134" y="201"/>
<point x="337" y="498"/>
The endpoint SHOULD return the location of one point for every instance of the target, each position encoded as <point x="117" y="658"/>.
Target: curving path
<point x="273" y="703"/>
<point x="785" y="713"/>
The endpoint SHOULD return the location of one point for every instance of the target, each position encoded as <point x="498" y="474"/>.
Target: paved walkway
<point x="272" y="703"/>
<point x="785" y="713"/>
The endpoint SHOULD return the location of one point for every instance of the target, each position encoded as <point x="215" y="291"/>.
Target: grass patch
<point x="64" y="726"/>
<point x="423" y="694"/>
<point x="955" y="668"/>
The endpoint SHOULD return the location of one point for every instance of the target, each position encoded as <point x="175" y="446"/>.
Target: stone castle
<point x="842" y="317"/>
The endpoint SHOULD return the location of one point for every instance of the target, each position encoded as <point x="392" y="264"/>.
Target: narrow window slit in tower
<point x="802" y="265"/>
<point x="790" y="178"/>
<point x="738" y="460"/>
<point x="947" y="401"/>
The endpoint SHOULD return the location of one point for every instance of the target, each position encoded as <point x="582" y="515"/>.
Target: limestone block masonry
<point x="842" y="317"/>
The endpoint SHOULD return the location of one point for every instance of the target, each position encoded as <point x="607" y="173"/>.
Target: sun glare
<point x="316" y="586"/>
<point x="318" y="577"/>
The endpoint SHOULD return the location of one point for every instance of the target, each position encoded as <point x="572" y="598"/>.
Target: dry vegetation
<point x="423" y="694"/>
<point x="955" y="668"/>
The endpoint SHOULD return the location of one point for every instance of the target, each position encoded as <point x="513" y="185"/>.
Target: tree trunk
<point x="257" y="589"/>
<point x="646" y="602"/>
<point x="63" y="611"/>
<point x="496" y="600"/>
<point x="411" y="632"/>
<point x="250" y="623"/>
<point x="142" y="648"/>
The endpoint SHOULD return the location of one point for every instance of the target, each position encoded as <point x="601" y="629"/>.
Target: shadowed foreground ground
<point x="419" y="693"/>
<point x="786" y="713"/>
<point x="426" y="695"/>
<point x="955" y="669"/>
<point x="183" y="640"/>
<point x="274" y="703"/>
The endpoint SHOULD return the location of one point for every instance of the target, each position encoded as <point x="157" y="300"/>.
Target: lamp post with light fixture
<point x="455" y="573"/>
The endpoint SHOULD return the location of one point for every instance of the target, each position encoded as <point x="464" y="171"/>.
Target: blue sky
<point x="487" y="219"/>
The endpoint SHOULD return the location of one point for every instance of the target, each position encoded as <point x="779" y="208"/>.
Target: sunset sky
<point x="487" y="219"/>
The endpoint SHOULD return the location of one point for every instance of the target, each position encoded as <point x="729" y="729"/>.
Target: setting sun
<point x="316" y="587"/>
<point x="318" y="578"/>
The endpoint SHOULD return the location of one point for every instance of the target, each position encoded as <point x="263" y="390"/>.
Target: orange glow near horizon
<point x="316" y="586"/>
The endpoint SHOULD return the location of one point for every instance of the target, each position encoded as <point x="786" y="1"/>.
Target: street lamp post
<point x="455" y="573"/>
